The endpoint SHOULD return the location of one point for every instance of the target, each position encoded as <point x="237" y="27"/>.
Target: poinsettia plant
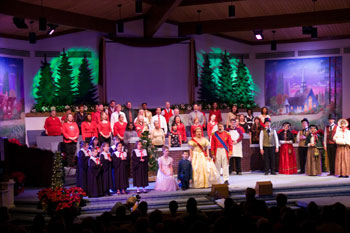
<point x="56" y="199"/>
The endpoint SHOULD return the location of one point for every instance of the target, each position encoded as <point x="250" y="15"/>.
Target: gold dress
<point x="205" y="173"/>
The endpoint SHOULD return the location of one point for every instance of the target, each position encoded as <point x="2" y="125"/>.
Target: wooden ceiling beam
<point x="193" y="2"/>
<point x="31" y="11"/>
<point x="268" y="22"/>
<point x="157" y="15"/>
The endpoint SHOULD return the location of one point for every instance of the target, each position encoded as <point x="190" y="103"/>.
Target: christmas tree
<point x="151" y="151"/>
<point x="244" y="87"/>
<point x="225" y="92"/>
<point x="207" y="89"/>
<point x="57" y="179"/>
<point x="65" y="85"/>
<point x="6" y="84"/>
<point x="86" y="89"/>
<point x="45" y="95"/>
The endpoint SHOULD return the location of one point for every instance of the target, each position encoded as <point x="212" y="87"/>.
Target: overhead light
<point x="138" y="6"/>
<point x="258" y="34"/>
<point x="19" y="22"/>
<point x="314" y="33"/>
<point x="120" y="23"/>
<point x="231" y="11"/>
<point x="42" y="24"/>
<point x="273" y="42"/>
<point x="52" y="29"/>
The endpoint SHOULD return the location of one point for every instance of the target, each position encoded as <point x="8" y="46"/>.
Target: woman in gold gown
<point x="205" y="173"/>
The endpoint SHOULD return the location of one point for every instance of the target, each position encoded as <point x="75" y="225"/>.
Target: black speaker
<point x="198" y="28"/>
<point x="138" y="6"/>
<point x="32" y="37"/>
<point x="231" y="11"/>
<point x="121" y="27"/>
<point x="273" y="45"/>
<point x="314" y="33"/>
<point x="42" y="24"/>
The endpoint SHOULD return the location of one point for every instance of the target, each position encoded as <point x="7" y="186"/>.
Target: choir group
<point x="100" y="170"/>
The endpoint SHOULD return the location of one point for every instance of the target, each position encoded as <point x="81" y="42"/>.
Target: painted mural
<point x="298" y="88"/>
<point x="11" y="99"/>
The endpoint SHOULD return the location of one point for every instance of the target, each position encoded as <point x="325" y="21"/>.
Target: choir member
<point x="120" y="162"/>
<point x="106" y="162"/>
<point x="140" y="125"/>
<point x="237" y="147"/>
<point x="196" y="114"/>
<point x="129" y="112"/>
<point x="104" y="129"/>
<point x="140" y="115"/>
<point x="200" y="109"/>
<point x="158" y="136"/>
<point x="64" y="117"/>
<point x="174" y="138"/>
<point x="196" y="124"/>
<point x="329" y="143"/>
<point x="70" y="133"/>
<point x="172" y="118"/>
<point x="264" y="114"/>
<point x="119" y="128"/>
<point x="94" y="143"/>
<point x="98" y="114"/>
<point x="216" y="112"/>
<point x="255" y="131"/>
<point x="268" y="141"/>
<point x="129" y="133"/>
<point x="80" y="117"/>
<point x="249" y="118"/>
<point x="342" y="160"/>
<point x="184" y="171"/>
<point x="212" y="126"/>
<point x="165" y="176"/>
<point x="111" y="108"/>
<point x="231" y="115"/>
<point x="95" y="183"/>
<point x="88" y="129"/>
<point x="53" y="125"/>
<point x="161" y="120"/>
<point x="148" y="114"/>
<point x="115" y="116"/>
<point x="242" y="123"/>
<point x="113" y="148"/>
<point x="82" y="167"/>
<point x="287" y="161"/>
<point x="167" y="112"/>
<point x="303" y="147"/>
<point x="315" y="150"/>
<point x="181" y="128"/>
<point x="140" y="167"/>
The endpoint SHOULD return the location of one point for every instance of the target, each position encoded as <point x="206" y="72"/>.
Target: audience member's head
<point x="250" y="194"/>
<point x="281" y="200"/>
<point x="173" y="206"/>
<point x="4" y="214"/>
<point x="143" y="207"/>
<point x="191" y="206"/>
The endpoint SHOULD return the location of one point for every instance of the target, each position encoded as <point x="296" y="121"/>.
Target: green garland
<point x="151" y="151"/>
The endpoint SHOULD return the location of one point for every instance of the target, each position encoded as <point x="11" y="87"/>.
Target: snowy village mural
<point x="298" y="88"/>
<point x="11" y="98"/>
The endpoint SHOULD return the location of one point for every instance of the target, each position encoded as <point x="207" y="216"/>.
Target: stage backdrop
<point x="298" y="88"/>
<point x="11" y="99"/>
<point x="147" y="74"/>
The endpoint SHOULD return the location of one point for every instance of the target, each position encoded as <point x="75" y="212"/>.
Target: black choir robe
<point x="139" y="168"/>
<point x="106" y="174"/>
<point x="94" y="179"/>
<point x="120" y="167"/>
<point x="82" y="169"/>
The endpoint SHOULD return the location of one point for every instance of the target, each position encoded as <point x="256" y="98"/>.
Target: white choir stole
<point x="106" y="156"/>
<point x="138" y="153"/>
<point x="86" y="152"/>
<point x="121" y="155"/>
<point x="96" y="160"/>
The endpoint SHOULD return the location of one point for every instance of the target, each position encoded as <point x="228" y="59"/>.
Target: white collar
<point x="138" y="152"/>
<point x="120" y="154"/>
<point x="105" y="155"/>
<point x="95" y="160"/>
<point x="86" y="152"/>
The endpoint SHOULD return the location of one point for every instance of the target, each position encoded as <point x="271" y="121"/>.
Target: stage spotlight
<point x="121" y="27"/>
<point x="32" y="37"/>
<point x="52" y="29"/>
<point x="138" y="6"/>
<point x="307" y="30"/>
<point x="258" y="34"/>
<point x="314" y="33"/>
<point x="231" y="11"/>
<point x="42" y="24"/>
<point x="19" y="22"/>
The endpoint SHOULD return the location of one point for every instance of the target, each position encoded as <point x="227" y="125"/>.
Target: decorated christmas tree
<point x="244" y="88"/>
<point x="225" y="90"/>
<point x="86" y="89"/>
<point x="6" y="84"/>
<point x="65" y="93"/>
<point x="45" y="95"/>
<point x="207" y="89"/>
<point x="57" y="178"/>
<point x="151" y="151"/>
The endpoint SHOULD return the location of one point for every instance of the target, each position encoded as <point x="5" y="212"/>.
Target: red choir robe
<point x="70" y="130"/>
<point x="89" y="129"/>
<point x="105" y="128"/>
<point x="215" y="143"/>
<point x="119" y="128"/>
<point x="181" y="128"/>
<point x="53" y="126"/>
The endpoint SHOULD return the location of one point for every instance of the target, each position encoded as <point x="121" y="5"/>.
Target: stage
<point x="300" y="189"/>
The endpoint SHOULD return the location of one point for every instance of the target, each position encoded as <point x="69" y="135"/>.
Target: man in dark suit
<point x="130" y="113"/>
<point x="185" y="171"/>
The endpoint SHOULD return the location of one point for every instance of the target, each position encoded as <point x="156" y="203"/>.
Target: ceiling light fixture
<point x="258" y="34"/>
<point x="52" y="28"/>
<point x="273" y="42"/>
